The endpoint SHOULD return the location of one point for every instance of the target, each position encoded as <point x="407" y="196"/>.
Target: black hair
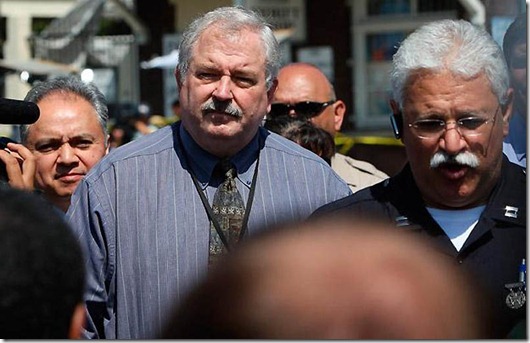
<point x="42" y="275"/>
<point x="515" y="34"/>
<point x="304" y="133"/>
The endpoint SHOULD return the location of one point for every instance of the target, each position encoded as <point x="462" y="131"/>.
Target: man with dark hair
<point x="69" y="137"/>
<point x="514" y="48"/>
<point x="42" y="272"/>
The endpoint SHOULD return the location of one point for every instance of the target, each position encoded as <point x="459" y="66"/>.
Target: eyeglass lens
<point x="434" y="127"/>
<point x="306" y="109"/>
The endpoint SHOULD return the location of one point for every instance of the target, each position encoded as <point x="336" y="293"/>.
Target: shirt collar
<point x="243" y="160"/>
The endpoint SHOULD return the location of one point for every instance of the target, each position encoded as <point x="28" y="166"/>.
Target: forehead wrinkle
<point x="225" y="41"/>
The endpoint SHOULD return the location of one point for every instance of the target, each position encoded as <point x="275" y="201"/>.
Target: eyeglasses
<point x="466" y="127"/>
<point x="306" y="109"/>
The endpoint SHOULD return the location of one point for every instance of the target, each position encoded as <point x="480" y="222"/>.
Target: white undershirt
<point x="457" y="224"/>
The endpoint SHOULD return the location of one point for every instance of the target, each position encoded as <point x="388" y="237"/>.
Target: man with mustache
<point x="69" y="137"/>
<point x="451" y="105"/>
<point x="146" y="213"/>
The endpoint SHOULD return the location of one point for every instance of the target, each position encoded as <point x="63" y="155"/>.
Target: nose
<point x="452" y="140"/>
<point x="223" y="91"/>
<point x="67" y="155"/>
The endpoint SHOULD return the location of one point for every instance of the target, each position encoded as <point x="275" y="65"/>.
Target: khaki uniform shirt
<point x="357" y="174"/>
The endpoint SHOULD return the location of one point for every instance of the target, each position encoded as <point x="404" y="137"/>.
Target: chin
<point x="66" y="192"/>
<point x="224" y="130"/>
<point x="458" y="200"/>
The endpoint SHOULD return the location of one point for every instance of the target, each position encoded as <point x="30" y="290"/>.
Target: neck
<point x="222" y="147"/>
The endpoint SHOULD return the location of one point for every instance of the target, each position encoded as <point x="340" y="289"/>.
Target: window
<point x="378" y="28"/>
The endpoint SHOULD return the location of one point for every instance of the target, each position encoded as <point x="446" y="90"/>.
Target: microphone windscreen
<point x="18" y="112"/>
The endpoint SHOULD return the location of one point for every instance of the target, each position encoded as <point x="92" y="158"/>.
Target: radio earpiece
<point x="396" y="120"/>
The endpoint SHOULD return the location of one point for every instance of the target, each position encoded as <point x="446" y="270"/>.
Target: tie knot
<point x="224" y="169"/>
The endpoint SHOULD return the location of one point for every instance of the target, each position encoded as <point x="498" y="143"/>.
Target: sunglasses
<point x="306" y="109"/>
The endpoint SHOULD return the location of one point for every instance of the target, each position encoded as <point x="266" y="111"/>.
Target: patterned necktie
<point x="228" y="208"/>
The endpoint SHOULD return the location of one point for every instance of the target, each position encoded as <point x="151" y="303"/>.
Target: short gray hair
<point x="231" y="19"/>
<point x="68" y="85"/>
<point x="454" y="45"/>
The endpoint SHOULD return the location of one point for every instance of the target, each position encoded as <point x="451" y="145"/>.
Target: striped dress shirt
<point x="145" y="230"/>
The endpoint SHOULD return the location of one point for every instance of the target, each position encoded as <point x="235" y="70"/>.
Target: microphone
<point x="18" y="112"/>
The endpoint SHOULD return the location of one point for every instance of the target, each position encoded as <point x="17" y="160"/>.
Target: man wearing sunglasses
<point x="305" y="92"/>
<point x="451" y="105"/>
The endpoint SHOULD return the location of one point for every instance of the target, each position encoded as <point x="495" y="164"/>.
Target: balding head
<point x="299" y="82"/>
<point x="333" y="280"/>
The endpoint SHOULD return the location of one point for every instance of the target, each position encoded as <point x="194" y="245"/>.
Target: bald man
<point x="304" y="91"/>
<point x="332" y="279"/>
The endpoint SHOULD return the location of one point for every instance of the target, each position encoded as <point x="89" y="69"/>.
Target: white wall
<point x="19" y="14"/>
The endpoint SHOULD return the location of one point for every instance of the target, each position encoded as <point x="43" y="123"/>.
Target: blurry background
<point x="129" y="49"/>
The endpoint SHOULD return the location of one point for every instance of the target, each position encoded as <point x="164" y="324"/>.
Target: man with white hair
<point x="158" y="212"/>
<point x="451" y="105"/>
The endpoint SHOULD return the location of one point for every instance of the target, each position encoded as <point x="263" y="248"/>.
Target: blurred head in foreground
<point x="331" y="280"/>
<point x="42" y="272"/>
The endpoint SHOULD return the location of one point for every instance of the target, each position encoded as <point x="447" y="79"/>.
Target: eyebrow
<point x="237" y="71"/>
<point x="76" y="137"/>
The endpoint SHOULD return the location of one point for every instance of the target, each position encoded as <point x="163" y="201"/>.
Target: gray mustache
<point x="464" y="158"/>
<point x="226" y="108"/>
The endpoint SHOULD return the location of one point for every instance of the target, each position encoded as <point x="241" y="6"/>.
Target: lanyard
<point x="206" y="204"/>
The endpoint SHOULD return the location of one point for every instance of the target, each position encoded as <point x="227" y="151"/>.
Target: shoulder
<point x="357" y="174"/>
<point x="279" y="146"/>
<point x="144" y="148"/>
<point x="513" y="173"/>
<point x="152" y="143"/>
<point x="512" y="185"/>
<point x="340" y="161"/>
<point x="287" y="160"/>
<point x="366" y="200"/>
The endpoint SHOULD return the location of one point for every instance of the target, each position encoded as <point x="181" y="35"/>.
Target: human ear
<point x="339" y="107"/>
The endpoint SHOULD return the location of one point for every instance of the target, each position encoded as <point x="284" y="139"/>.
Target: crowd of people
<point x="240" y="219"/>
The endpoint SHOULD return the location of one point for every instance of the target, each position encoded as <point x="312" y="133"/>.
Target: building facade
<point x="351" y="40"/>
